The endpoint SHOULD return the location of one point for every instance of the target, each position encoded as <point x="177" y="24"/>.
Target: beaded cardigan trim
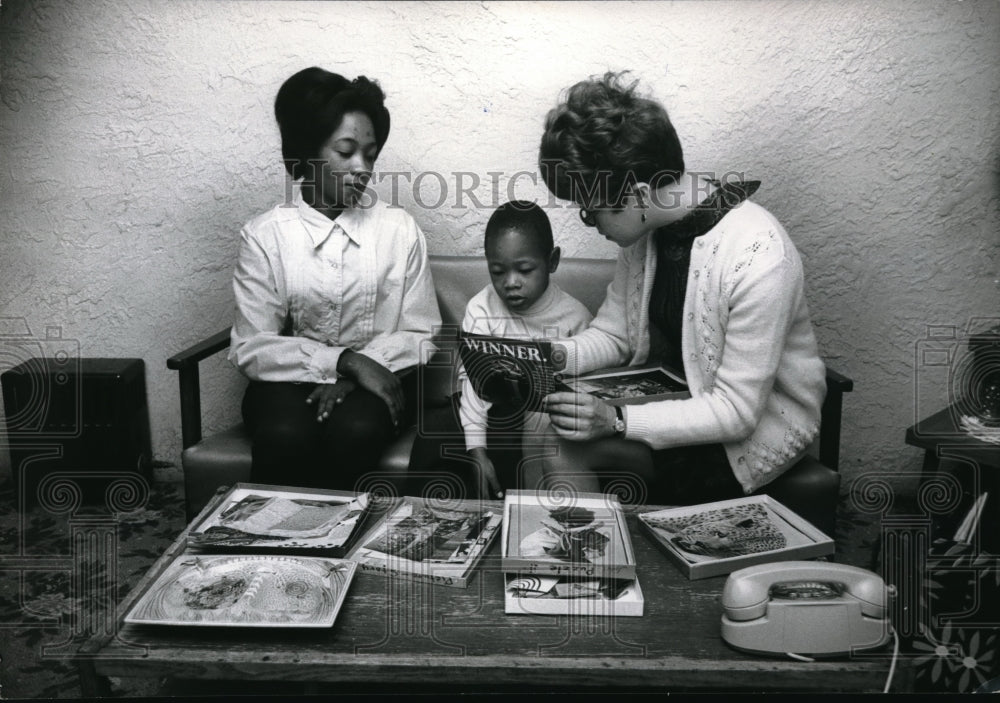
<point x="720" y="259"/>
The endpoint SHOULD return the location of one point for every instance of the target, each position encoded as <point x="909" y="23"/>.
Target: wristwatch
<point x="619" y="421"/>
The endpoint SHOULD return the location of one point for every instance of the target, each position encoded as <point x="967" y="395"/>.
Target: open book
<point x="436" y="541"/>
<point x="515" y="372"/>
<point x="521" y="372"/>
<point x="632" y="384"/>
<point x="279" y="519"/>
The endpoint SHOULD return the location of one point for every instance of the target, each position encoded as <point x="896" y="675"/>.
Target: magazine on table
<point x="562" y="595"/>
<point x="245" y="590"/>
<point x="718" y="538"/>
<point x="257" y="517"/>
<point x="436" y="541"/>
<point x="582" y="535"/>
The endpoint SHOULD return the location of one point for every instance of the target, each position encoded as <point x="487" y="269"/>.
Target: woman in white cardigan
<point x="706" y="282"/>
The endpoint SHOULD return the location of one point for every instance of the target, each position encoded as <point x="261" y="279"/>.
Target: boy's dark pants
<point x="439" y="457"/>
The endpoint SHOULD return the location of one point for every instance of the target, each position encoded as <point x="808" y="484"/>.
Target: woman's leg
<point x="581" y="464"/>
<point x="535" y="444"/>
<point x="283" y="430"/>
<point x="291" y="448"/>
<point x="638" y="474"/>
<point x="355" y="437"/>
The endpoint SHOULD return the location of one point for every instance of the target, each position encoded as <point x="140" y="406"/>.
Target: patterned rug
<point x="45" y="586"/>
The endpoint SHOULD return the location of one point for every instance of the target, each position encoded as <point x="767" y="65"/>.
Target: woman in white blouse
<point x="333" y="295"/>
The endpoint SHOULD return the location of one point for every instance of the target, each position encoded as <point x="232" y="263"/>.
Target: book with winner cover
<point x="517" y="372"/>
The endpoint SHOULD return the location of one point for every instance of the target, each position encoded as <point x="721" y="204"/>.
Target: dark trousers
<point x="693" y="474"/>
<point x="439" y="463"/>
<point x="291" y="448"/>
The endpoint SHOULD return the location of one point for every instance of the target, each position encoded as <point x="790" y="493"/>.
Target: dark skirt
<point x="290" y="447"/>
<point x="691" y="475"/>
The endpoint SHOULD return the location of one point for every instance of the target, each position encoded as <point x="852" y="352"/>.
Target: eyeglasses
<point x="588" y="217"/>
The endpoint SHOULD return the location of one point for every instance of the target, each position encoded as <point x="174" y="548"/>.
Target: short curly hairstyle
<point x="524" y="216"/>
<point x="310" y="106"/>
<point x="603" y="138"/>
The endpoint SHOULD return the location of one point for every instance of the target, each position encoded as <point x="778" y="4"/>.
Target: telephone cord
<point x="895" y="656"/>
<point x="892" y="665"/>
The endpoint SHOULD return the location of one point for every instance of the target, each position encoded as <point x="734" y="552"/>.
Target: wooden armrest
<point x="186" y="365"/>
<point x="830" y="415"/>
<point x="838" y="382"/>
<point x="202" y="350"/>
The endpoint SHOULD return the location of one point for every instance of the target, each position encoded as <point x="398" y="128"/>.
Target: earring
<point x="643" y="217"/>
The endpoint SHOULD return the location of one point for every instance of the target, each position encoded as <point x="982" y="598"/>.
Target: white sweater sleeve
<point x="761" y="308"/>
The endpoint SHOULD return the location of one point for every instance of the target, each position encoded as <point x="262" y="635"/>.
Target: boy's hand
<point x="486" y="475"/>
<point x="373" y="377"/>
<point x="579" y="416"/>
<point x="326" y="395"/>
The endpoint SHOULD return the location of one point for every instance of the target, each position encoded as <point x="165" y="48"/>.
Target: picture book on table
<point x="241" y="590"/>
<point x="562" y="595"/>
<point x="582" y="535"/>
<point x="718" y="538"/>
<point x="436" y="541"/>
<point x="257" y="517"/>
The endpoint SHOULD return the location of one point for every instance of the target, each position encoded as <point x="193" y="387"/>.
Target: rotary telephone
<point x="805" y="608"/>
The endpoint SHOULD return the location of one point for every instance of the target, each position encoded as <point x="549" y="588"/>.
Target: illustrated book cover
<point x="515" y="372"/>
<point x="632" y="385"/>
<point x="561" y="595"/>
<point x="713" y="539"/>
<point x="436" y="541"/>
<point x="582" y="535"/>
<point x="242" y="590"/>
<point x="255" y="517"/>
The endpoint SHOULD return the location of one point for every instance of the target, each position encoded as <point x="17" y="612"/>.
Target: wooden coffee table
<point x="393" y="632"/>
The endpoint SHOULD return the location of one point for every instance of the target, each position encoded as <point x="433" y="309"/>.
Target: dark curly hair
<point x="603" y="138"/>
<point x="310" y="106"/>
<point x="524" y="216"/>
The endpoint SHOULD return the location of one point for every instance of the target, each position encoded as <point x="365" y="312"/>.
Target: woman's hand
<point x="326" y="395"/>
<point x="486" y="475"/>
<point x="579" y="416"/>
<point x="373" y="377"/>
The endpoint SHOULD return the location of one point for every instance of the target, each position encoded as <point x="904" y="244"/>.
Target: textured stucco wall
<point x="136" y="138"/>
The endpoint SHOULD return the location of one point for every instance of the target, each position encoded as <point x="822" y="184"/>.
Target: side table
<point x="977" y="470"/>
<point x="940" y="435"/>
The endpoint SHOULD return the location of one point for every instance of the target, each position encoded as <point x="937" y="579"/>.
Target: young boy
<point x="520" y="303"/>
